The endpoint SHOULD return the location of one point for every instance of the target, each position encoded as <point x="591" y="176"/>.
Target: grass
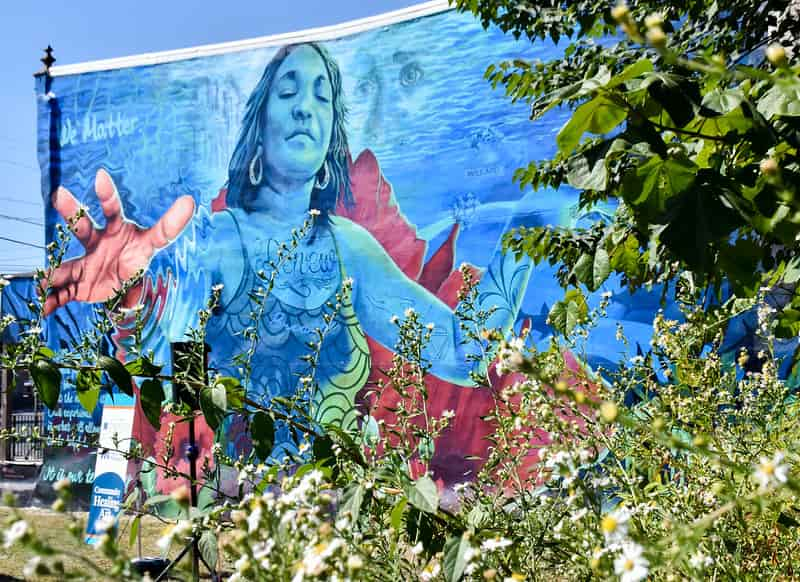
<point x="51" y="528"/>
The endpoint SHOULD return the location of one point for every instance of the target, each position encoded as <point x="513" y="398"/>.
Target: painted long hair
<point x="241" y="192"/>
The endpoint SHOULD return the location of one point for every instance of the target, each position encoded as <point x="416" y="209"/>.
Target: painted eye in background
<point x="366" y="87"/>
<point x="411" y="74"/>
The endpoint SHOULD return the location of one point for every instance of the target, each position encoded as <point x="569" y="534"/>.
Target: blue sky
<point x="84" y="30"/>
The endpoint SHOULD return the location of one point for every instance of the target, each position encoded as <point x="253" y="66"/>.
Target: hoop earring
<point x="256" y="168"/>
<point x="324" y="184"/>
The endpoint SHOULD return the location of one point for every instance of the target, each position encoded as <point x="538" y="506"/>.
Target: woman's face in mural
<point x="299" y="117"/>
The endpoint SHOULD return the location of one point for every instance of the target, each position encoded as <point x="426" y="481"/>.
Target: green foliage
<point x="47" y="379"/>
<point x="151" y="398"/>
<point x="694" y="134"/>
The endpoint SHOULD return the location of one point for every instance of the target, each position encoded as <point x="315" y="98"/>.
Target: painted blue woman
<point x="291" y="158"/>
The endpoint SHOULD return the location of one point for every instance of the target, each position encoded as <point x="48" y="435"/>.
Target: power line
<point x="18" y="219"/>
<point x="19" y="242"/>
<point x="18" y="201"/>
<point x="21" y="165"/>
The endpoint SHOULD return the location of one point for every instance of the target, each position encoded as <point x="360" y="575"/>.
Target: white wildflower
<point x="417" y="549"/>
<point x="16" y="532"/>
<point x="631" y="565"/>
<point x="4" y="282"/>
<point x="314" y="212"/>
<point x="354" y="562"/>
<point x="430" y="571"/>
<point x="409" y="312"/>
<point x="32" y="568"/>
<point x="218" y="287"/>
<point x="254" y="519"/>
<point x="348" y="281"/>
<point x="394" y="319"/>
<point x="772" y="471"/>
<point x="615" y="526"/>
<point x="699" y="560"/>
<point x="493" y="544"/>
<point x="449" y="413"/>
<point x="105" y="523"/>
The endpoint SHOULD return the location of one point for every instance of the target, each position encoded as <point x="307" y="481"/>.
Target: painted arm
<point x="381" y="290"/>
<point x="113" y="254"/>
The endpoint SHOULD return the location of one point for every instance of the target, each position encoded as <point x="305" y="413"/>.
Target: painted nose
<point x="302" y="110"/>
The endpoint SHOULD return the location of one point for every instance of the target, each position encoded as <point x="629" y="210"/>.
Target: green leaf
<point x="600" y="116"/>
<point x="632" y="71"/>
<point x="455" y="561"/>
<point x="723" y="100"/>
<point x="569" y="312"/>
<point x="396" y="517"/>
<point x="423" y="494"/>
<point x="601" y="267"/>
<point x="47" y="379"/>
<point x="262" y="431"/>
<point x="148" y="476"/>
<point x="117" y="372"/>
<point x="782" y="99"/>
<point x="89" y="398"/>
<point x="208" y="547"/>
<point x="234" y="392"/>
<point x="134" y="530"/>
<point x="651" y="184"/>
<point x="352" y="498"/>
<point x="625" y="257"/>
<point x="699" y="217"/>
<point x="214" y="403"/>
<point x="152" y="397"/>
<point x="587" y="170"/>
<point x="142" y="367"/>
<point x="87" y="385"/>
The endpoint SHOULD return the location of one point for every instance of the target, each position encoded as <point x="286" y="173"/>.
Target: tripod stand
<point x="189" y="360"/>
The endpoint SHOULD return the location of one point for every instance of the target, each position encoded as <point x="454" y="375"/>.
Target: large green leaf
<point x="208" y="547"/>
<point x="234" y="392"/>
<point x="214" y="403"/>
<point x="600" y="116"/>
<point x="396" y="517"/>
<point x="569" y="312"/>
<point x="152" y="396"/>
<point x="626" y="256"/>
<point x="455" y="557"/>
<point x="587" y="170"/>
<point x="423" y="494"/>
<point x="782" y="99"/>
<point x="262" y="431"/>
<point x="87" y="385"/>
<point x="117" y="372"/>
<point x="352" y="498"/>
<point x="699" y="217"/>
<point x="47" y="379"/>
<point x="650" y="185"/>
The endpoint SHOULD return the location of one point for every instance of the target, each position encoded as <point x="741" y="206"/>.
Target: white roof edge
<point x="311" y="34"/>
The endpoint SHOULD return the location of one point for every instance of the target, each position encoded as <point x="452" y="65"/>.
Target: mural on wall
<point x="196" y="171"/>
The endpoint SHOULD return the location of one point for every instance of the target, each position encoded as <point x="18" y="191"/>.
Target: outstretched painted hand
<point x="114" y="254"/>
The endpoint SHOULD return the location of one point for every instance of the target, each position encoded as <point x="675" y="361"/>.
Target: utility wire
<point x="18" y="201"/>
<point x="19" y="242"/>
<point x="21" y="165"/>
<point x="18" y="219"/>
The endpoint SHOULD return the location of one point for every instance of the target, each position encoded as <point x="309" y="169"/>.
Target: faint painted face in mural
<point x="299" y="117"/>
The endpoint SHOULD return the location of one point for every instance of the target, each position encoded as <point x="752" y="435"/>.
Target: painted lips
<point x="300" y="132"/>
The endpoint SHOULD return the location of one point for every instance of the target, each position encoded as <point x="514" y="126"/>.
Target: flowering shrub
<point x="677" y="464"/>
